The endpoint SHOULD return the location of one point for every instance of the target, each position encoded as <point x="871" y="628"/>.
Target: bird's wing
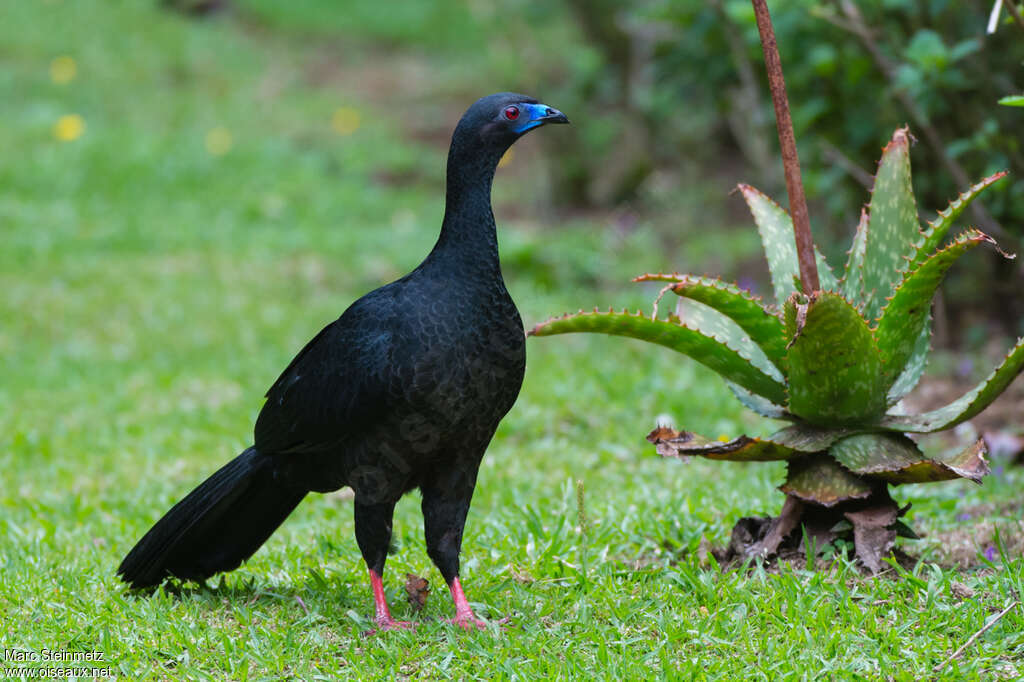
<point x="334" y="387"/>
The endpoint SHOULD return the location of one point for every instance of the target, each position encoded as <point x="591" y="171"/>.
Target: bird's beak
<point x="542" y="113"/>
<point x="538" y="115"/>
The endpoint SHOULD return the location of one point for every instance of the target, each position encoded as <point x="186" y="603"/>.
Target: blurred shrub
<point x="679" y="82"/>
<point x="673" y="103"/>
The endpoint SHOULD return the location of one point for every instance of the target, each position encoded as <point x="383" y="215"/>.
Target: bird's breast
<point x="470" y="361"/>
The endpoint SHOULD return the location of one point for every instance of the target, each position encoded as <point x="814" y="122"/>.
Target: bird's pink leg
<point x="380" y="602"/>
<point x="464" y="616"/>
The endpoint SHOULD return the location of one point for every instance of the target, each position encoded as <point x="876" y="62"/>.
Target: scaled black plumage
<point x="403" y="391"/>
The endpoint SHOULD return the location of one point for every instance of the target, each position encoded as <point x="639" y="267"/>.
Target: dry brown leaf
<point x="874" y="532"/>
<point x="417" y="590"/>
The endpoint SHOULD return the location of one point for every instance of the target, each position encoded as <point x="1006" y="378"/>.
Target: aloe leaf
<point x="915" y="365"/>
<point x="776" y="230"/>
<point x="819" y="479"/>
<point x="897" y="459"/>
<point x="807" y="438"/>
<point x="671" y="443"/>
<point x="853" y="278"/>
<point x="971" y="465"/>
<point x="892" y="224"/>
<point x="732" y="363"/>
<point x="660" y="277"/>
<point x="903" y="318"/>
<point x="968" y="405"/>
<point x="741" y="307"/>
<point x="970" y="462"/>
<point x="756" y="403"/>
<point x="938" y="228"/>
<point x="826" y="278"/>
<point x="712" y="323"/>
<point x="834" y="364"/>
<point x="872" y="453"/>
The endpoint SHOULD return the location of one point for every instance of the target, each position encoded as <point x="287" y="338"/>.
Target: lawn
<point x="185" y="202"/>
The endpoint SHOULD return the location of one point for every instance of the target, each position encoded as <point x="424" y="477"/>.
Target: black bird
<point x="403" y="391"/>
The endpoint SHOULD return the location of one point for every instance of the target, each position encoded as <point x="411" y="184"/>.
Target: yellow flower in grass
<point x="345" y="120"/>
<point x="69" y="127"/>
<point x="218" y="141"/>
<point x="63" y="70"/>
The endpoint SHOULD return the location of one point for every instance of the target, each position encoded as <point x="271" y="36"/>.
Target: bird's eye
<point x="511" y="113"/>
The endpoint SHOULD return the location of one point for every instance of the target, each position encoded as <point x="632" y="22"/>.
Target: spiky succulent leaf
<point x="733" y="364"/>
<point x="793" y="441"/>
<point x="903" y="318"/>
<point x="756" y="403"/>
<point x="915" y="365"/>
<point x="776" y="230"/>
<point x="969" y="462"/>
<point x="671" y="443"/>
<point x="834" y="364"/>
<point x="819" y="479"/>
<point x="892" y="225"/>
<point x="660" y="277"/>
<point x="746" y="449"/>
<point x="972" y="466"/>
<point x="826" y="278"/>
<point x="968" y="405"/>
<point x="853" y="277"/>
<point x="896" y="459"/>
<point x="712" y="323"/>
<point x="938" y="228"/>
<point x="807" y="438"/>
<point x="764" y="328"/>
<point x="871" y="453"/>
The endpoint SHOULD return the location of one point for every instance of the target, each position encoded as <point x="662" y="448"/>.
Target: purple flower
<point x="989" y="553"/>
<point x="963" y="517"/>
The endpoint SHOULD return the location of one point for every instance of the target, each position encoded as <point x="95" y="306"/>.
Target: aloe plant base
<point x="803" y="530"/>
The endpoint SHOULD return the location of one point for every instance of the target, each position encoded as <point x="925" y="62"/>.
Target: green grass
<point x="151" y="292"/>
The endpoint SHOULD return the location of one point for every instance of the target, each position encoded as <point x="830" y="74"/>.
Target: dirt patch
<point x="985" y="532"/>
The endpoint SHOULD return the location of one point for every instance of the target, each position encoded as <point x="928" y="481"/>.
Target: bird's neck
<point x="468" y="232"/>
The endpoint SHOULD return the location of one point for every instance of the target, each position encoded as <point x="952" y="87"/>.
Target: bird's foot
<point x="469" y="622"/>
<point x="387" y="624"/>
<point x="392" y="624"/>
<point x="383" y="619"/>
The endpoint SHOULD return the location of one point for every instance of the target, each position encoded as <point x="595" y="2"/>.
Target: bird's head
<point x="498" y="120"/>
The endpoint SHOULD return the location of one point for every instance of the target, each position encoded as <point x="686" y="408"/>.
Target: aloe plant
<point x="834" y="363"/>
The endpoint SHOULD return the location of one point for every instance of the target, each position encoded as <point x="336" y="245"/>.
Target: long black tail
<point x="217" y="526"/>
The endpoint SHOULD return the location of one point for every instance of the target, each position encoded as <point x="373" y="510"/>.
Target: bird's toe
<point x="467" y="622"/>
<point x="386" y="624"/>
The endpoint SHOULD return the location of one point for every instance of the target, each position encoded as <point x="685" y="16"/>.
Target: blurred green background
<point x="670" y="97"/>
<point x="187" y="196"/>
